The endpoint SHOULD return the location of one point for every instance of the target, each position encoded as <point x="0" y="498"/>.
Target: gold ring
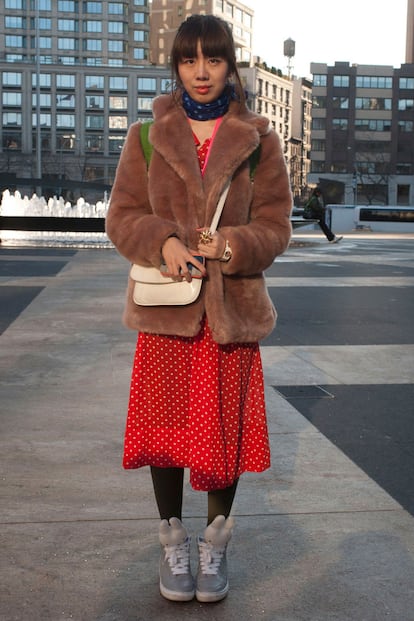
<point x="206" y="237"/>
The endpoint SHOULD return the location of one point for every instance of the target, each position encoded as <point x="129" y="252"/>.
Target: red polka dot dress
<point x="197" y="404"/>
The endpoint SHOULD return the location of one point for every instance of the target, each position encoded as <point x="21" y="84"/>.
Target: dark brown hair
<point x="216" y="39"/>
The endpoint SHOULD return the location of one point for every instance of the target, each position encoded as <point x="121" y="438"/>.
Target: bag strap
<point x="219" y="208"/>
<point x="145" y="143"/>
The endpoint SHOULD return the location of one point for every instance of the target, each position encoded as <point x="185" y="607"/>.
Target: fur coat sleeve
<point x="172" y="198"/>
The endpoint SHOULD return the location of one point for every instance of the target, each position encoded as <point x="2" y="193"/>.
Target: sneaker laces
<point x="210" y="557"/>
<point x="178" y="557"/>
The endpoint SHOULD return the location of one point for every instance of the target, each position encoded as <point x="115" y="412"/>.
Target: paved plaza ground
<point x="326" y="534"/>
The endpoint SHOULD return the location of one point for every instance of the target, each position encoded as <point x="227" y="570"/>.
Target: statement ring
<point x="206" y="237"/>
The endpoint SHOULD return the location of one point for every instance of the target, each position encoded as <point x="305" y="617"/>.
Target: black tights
<point x="168" y="489"/>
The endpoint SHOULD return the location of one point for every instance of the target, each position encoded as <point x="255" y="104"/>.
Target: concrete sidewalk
<point x="315" y="540"/>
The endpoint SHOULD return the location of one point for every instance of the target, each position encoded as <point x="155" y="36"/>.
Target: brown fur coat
<point x="173" y="198"/>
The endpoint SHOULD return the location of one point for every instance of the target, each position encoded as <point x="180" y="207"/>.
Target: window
<point x="45" y="80"/>
<point x="11" y="99"/>
<point x="139" y="53"/>
<point x="94" y="121"/>
<point x="406" y="83"/>
<point x="94" y="101"/>
<point x="165" y="85"/>
<point x="13" y="21"/>
<point x="341" y="81"/>
<point x="15" y="41"/>
<point x="118" y="28"/>
<point x="44" y="5"/>
<point x="317" y="167"/>
<point x="147" y="84"/>
<point x="318" y="123"/>
<point x="93" y="7"/>
<point x="65" y="120"/>
<point x="139" y="18"/>
<point x="45" y="43"/>
<point x="45" y="100"/>
<point x="145" y="104"/>
<point x="115" y="46"/>
<point x="12" y="118"/>
<point x="140" y="35"/>
<point x="115" y="8"/>
<point x="65" y="101"/>
<point x="65" y="81"/>
<point x="405" y="104"/>
<point x="140" y="2"/>
<point x="67" y="43"/>
<point x="92" y="45"/>
<point x="319" y="102"/>
<point x="118" y="83"/>
<point x="118" y="103"/>
<point x="11" y="141"/>
<point x="94" y="81"/>
<point x="340" y="102"/>
<point x="93" y="143"/>
<point x="366" y="81"/>
<point x="45" y="23"/>
<point x="341" y="124"/>
<point x="12" y="79"/>
<point x="372" y="103"/>
<point x="118" y="122"/>
<point x="319" y="79"/>
<point x="373" y="125"/>
<point x="406" y="126"/>
<point x="45" y="120"/>
<point x="68" y="6"/>
<point x="14" y="4"/>
<point x="69" y="25"/>
<point x="115" y="143"/>
<point x="92" y="26"/>
<point x="318" y="145"/>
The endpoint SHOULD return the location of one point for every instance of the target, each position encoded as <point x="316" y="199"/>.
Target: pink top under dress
<point x="197" y="404"/>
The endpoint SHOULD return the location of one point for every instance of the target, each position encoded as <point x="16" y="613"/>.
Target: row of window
<point x="70" y="25"/>
<point x="72" y="6"/>
<point x="71" y="43"/>
<point x="92" y="82"/>
<point x="12" y="141"/>
<point x="362" y="81"/>
<point x="363" y="103"/>
<point x="11" y="100"/>
<point x="368" y="125"/>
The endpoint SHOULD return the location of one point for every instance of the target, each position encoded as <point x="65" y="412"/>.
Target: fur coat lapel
<point x="237" y="137"/>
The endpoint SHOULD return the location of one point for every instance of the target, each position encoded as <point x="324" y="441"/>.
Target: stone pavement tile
<point x="338" y="364"/>
<point x="281" y="568"/>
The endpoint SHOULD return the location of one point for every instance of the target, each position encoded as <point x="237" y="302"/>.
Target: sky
<point x="365" y="32"/>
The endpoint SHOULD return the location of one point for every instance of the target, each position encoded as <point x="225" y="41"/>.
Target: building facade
<point x="362" y="132"/>
<point x="167" y="15"/>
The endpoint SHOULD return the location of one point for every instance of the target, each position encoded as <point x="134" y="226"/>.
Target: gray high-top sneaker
<point x="212" y="582"/>
<point x="176" y="581"/>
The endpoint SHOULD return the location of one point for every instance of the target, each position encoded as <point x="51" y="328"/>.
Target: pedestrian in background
<point x="315" y="210"/>
<point x="197" y="394"/>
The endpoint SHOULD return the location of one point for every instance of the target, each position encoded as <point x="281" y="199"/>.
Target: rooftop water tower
<point x="289" y="52"/>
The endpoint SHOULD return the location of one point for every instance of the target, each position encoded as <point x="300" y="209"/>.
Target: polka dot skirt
<point x="197" y="404"/>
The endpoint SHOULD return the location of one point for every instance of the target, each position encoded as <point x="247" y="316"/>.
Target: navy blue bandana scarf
<point x="206" y="112"/>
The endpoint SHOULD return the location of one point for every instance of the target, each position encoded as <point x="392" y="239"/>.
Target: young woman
<point x="197" y="397"/>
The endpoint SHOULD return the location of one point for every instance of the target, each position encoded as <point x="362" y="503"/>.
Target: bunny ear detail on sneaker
<point x="172" y="532"/>
<point x="220" y="531"/>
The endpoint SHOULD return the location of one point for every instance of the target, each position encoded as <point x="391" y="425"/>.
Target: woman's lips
<point x="203" y="90"/>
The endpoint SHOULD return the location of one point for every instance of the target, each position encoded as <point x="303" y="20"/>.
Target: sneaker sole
<point x="207" y="596"/>
<point x="176" y="596"/>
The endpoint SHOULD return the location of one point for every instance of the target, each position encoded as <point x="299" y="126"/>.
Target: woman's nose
<point x="201" y="70"/>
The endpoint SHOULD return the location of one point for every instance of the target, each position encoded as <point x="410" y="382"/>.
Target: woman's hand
<point x="214" y="247"/>
<point x="176" y="256"/>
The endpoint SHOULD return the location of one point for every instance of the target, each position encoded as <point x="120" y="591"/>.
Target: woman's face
<point x="204" y="78"/>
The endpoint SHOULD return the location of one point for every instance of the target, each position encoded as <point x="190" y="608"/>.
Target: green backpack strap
<point x="145" y="143"/>
<point x="254" y="159"/>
